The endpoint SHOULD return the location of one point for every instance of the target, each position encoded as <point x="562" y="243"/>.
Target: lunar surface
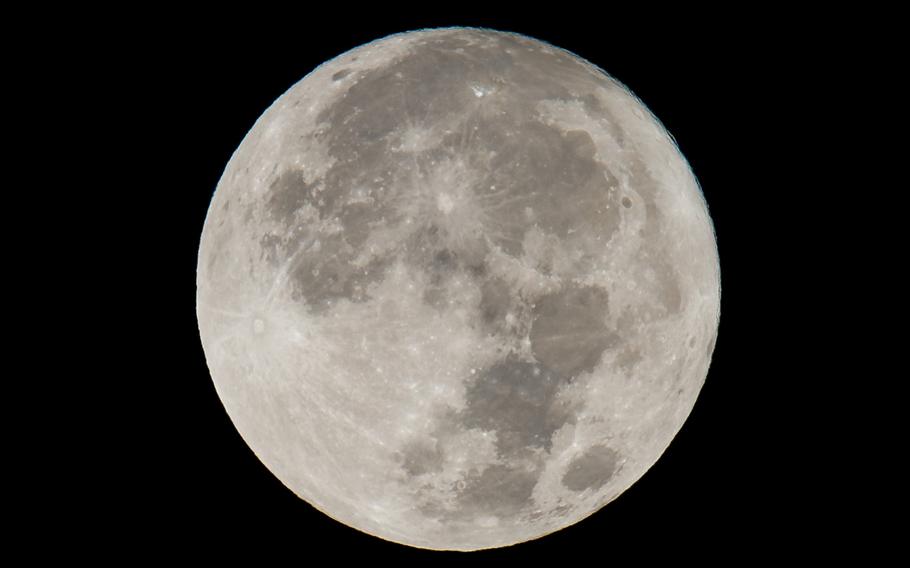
<point x="458" y="288"/>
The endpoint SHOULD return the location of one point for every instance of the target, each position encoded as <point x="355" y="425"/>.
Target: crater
<point x="517" y="400"/>
<point x="591" y="470"/>
<point x="258" y="326"/>
<point x="339" y="75"/>
<point x="569" y="332"/>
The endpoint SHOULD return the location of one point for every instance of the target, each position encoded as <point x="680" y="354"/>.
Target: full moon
<point x="458" y="288"/>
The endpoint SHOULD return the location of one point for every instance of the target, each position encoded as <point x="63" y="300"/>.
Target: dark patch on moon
<point x="430" y="83"/>
<point x="288" y="193"/>
<point x="427" y="249"/>
<point x="591" y="470"/>
<point x="628" y="358"/>
<point x="552" y="172"/>
<point x="532" y="165"/>
<point x="321" y="278"/>
<point x="421" y="457"/>
<point x="444" y="261"/>
<point x="495" y="302"/>
<point x="626" y="202"/>
<point x="272" y="247"/>
<point x="358" y="220"/>
<point x="580" y="144"/>
<point x="436" y="296"/>
<point x="323" y="274"/>
<point x="569" y="333"/>
<point x="517" y="400"/>
<point x="339" y="75"/>
<point x="501" y="490"/>
<point x="441" y="267"/>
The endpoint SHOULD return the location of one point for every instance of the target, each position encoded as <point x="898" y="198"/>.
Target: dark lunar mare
<point x="533" y="166"/>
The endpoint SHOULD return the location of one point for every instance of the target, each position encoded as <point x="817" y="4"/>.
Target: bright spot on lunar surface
<point x="458" y="288"/>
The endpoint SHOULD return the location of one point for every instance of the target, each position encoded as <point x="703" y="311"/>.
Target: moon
<point x="458" y="288"/>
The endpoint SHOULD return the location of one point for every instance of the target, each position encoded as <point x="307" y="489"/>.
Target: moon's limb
<point x="458" y="288"/>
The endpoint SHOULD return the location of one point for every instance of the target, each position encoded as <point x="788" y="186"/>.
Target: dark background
<point x="734" y="484"/>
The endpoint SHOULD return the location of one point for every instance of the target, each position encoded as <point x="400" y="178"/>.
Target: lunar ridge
<point x="458" y="288"/>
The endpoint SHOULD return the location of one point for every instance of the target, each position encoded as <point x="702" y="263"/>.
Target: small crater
<point x="338" y="76"/>
<point x="591" y="470"/>
<point x="258" y="326"/>
<point x="626" y="202"/>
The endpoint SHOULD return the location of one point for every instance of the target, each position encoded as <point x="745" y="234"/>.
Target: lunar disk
<point x="458" y="288"/>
